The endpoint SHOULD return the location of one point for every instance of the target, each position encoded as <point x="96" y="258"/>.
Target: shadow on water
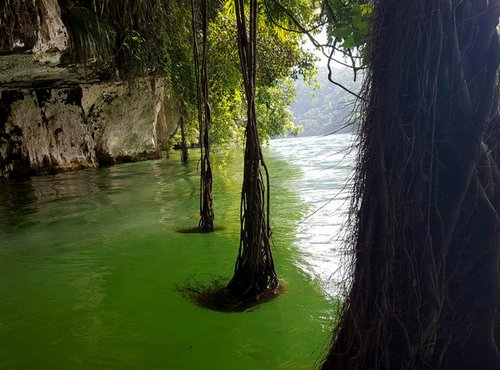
<point x="37" y="200"/>
<point x="195" y="230"/>
<point x="287" y="209"/>
<point x="215" y="296"/>
<point x="17" y="202"/>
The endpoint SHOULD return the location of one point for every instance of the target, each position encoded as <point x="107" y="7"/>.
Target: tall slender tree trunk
<point x="184" y="148"/>
<point x="206" y="223"/>
<point x="254" y="270"/>
<point x="425" y="288"/>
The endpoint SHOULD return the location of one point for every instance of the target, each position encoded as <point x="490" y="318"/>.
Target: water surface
<point x="90" y="263"/>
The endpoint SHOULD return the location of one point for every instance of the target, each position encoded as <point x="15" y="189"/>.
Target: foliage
<point x="179" y="62"/>
<point x="145" y="37"/>
<point x="128" y="34"/>
<point x="17" y="20"/>
<point x="140" y="29"/>
<point x="324" y="109"/>
<point x="348" y="23"/>
<point x="89" y="38"/>
<point x="280" y="54"/>
<point x="273" y="110"/>
<point x="279" y="57"/>
<point x="228" y="109"/>
<point x="227" y="118"/>
<point x="278" y="13"/>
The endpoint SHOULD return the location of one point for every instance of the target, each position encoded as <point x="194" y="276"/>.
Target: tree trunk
<point x="254" y="271"/>
<point x="426" y="239"/>
<point x="184" y="149"/>
<point x="206" y="223"/>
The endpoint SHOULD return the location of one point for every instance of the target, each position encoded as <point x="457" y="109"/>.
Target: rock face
<point x="55" y="117"/>
<point x="52" y="35"/>
<point x="44" y="130"/>
<point x="35" y="26"/>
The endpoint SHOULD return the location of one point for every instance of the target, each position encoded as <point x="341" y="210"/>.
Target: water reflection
<point x="175" y="183"/>
<point x="312" y="175"/>
<point x="17" y="203"/>
<point x="89" y="262"/>
<point x="47" y="199"/>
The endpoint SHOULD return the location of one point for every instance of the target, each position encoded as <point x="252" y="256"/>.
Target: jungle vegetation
<point x="424" y="289"/>
<point x="254" y="272"/>
<point x="322" y="108"/>
<point x="143" y="38"/>
<point x="206" y="223"/>
<point x="128" y="39"/>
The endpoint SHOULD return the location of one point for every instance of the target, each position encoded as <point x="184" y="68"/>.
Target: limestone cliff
<point x="56" y="117"/>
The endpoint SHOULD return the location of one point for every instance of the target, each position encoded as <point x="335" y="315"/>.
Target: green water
<point x="90" y="263"/>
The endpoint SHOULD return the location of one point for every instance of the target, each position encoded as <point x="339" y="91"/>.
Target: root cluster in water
<point x="217" y="296"/>
<point x="196" y="230"/>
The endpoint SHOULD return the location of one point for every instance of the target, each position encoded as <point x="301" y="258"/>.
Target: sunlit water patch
<point x="323" y="185"/>
<point x="90" y="263"/>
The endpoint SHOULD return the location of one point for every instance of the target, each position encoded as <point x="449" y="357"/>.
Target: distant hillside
<point x="326" y="109"/>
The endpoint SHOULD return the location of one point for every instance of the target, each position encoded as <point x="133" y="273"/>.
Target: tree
<point x="265" y="70"/>
<point x="184" y="148"/>
<point x="272" y="106"/>
<point x="425" y="288"/>
<point x="254" y="271"/>
<point x="279" y="58"/>
<point x="206" y="223"/>
<point x="345" y="22"/>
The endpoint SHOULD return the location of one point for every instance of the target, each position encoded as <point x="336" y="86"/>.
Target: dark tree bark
<point x="254" y="271"/>
<point x="206" y="223"/>
<point x="426" y="227"/>
<point x="184" y="148"/>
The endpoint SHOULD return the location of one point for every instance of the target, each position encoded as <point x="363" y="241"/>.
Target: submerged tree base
<point x="217" y="296"/>
<point x="197" y="230"/>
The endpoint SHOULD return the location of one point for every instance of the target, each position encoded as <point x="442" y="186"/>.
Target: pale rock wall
<point x="52" y="38"/>
<point x="41" y="33"/>
<point x="42" y="131"/>
<point x="55" y="117"/>
<point x="54" y="129"/>
<point x="131" y="118"/>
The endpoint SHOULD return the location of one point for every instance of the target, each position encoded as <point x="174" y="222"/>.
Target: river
<point x="91" y="263"/>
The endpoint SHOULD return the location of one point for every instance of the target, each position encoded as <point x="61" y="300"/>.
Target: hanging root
<point x="216" y="296"/>
<point x="206" y="224"/>
<point x="424" y="290"/>
<point x="254" y="272"/>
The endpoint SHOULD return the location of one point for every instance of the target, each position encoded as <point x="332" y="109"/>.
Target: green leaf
<point x="342" y="32"/>
<point x="366" y="10"/>
<point x="356" y="9"/>
<point x="363" y="26"/>
<point x="230" y="7"/>
<point x="349" y="42"/>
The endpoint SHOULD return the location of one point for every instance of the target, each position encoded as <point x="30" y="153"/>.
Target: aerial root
<point x="218" y="297"/>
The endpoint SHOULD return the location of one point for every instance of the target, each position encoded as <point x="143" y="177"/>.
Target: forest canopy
<point x="129" y="39"/>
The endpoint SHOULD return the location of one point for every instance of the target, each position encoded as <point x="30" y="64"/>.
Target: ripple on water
<point x="90" y="263"/>
<point x="326" y="165"/>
